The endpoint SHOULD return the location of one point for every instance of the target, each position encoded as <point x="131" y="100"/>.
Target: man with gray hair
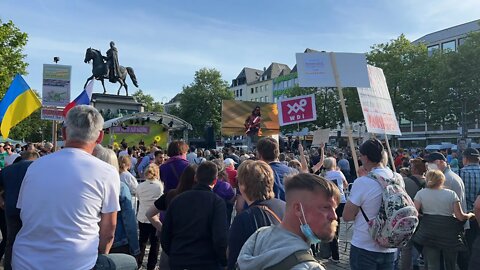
<point x="68" y="204"/>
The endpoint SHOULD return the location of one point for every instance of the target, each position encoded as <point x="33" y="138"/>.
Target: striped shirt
<point x="470" y="175"/>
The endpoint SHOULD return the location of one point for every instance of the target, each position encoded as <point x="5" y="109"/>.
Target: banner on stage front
<point x="235" y="114"/>
<point x="297" y="110"/>
<point x="377" y="105"/>
<point x="316" y="70"/>
<point x="56" y="85"/>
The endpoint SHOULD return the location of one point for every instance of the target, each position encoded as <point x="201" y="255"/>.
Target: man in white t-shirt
<point x="68" y="204"/>
<point x="366" y="193"/>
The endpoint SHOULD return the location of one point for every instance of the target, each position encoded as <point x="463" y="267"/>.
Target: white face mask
<point x="432" y="166"/>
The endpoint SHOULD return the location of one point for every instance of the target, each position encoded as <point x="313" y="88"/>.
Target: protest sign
<point x="377" y="105"/>
<point x="297" y="110"/>
<point x="321" y="137"/>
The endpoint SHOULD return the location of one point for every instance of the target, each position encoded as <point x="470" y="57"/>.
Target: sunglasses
<point x="7" y="148"/>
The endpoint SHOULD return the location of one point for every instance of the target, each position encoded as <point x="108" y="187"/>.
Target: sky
<point x="165" y="42"/>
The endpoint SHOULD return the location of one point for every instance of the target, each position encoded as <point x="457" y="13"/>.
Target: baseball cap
<point x="229" y="161"/>
<point x="471" y="152"/>
<point x="435" y="156"/>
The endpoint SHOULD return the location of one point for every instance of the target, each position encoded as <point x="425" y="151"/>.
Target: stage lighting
<point x="170" y="124"/>
<point x="160" y="121"/>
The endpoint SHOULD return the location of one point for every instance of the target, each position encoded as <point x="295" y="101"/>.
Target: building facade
<point x="420" y="133"/>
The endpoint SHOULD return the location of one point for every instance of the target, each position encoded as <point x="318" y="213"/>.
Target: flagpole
<point x="54" y="135"/>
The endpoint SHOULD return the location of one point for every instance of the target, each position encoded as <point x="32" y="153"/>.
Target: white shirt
<point x="61" y="199"/>
<point x="147" y="193"/>
<point x="337" y="178"/>
<point x="130" y="180"/>
<point x="9" y="159"/>
<point x="367" y="193"/>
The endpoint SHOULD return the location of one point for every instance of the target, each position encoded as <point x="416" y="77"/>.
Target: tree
<point x="12" y="42"/>
<point x="201" y="101"/>
<point x="405" y="68"/>
<point x="148" y="101"/>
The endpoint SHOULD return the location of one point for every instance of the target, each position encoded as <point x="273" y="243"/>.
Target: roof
<point x="250" y="74"/>
<point x="451" y="32"/>
<point x="274" y="70"/>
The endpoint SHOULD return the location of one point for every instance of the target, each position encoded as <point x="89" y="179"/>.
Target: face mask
<point x="307" y="231"/>
<point x="432" y="166"/>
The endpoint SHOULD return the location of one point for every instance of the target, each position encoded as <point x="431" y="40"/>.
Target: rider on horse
<point x="112" y="63"/>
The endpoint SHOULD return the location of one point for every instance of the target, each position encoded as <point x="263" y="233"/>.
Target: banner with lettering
<point x="296" y="110"/>
<point x="377" y="105"/>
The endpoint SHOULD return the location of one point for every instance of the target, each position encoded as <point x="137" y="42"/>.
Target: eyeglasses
<point x="7" y="148"/>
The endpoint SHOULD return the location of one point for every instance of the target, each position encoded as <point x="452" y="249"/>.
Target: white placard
<point x="56" y="85"/>
<point x="377" y="106"/>
<point x="315" y="70"/>
<point x="320" y="137"/>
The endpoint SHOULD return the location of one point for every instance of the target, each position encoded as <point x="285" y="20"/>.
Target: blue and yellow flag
<point x="18" y="103"/>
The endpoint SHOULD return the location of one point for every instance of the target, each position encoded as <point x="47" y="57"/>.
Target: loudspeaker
<point x="210" y="138"/>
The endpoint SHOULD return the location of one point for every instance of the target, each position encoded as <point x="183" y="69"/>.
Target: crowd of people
<point x="89" y="206"/>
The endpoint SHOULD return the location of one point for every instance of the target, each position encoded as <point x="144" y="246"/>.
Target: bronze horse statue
<point x="100" y="71"/>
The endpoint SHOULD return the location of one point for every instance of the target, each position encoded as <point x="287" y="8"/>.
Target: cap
<point x="229" y="161"/>
<point x="471" y="152"/>
<point x="435" y="156"/>
<point x="2" y="144"/>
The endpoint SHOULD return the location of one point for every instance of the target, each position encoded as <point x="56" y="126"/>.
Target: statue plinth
<point x="113" y="106"/>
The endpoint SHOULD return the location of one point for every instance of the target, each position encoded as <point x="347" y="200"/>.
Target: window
<point x="236" y="93"/>
<point x="432" y="49"/>
<point x="256" y="89"/>
<point x="261" y="99"/>
<point x="251" y="91"/>
<point x="449" y="46"/>
<point x="275" y="99"/>
<point x="266" y="98"/>
<point x="240" y="91"/>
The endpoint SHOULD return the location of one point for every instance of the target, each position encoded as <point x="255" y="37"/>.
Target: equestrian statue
<point x="107" y="67"/>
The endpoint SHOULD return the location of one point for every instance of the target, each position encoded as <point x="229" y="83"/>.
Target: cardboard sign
<point x="56" y="85"/>
<point x="377" y="106"/>
<point x="315" y="70"/>
<point x="321" y="136"/>
<point x="297" y="110"/>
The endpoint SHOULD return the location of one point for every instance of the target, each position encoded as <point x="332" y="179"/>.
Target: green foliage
<point x="201" y="101"/>
<point x="149" y="103"/>
<point x="12" y="42"/>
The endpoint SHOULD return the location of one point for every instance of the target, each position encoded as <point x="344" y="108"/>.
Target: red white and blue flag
<point x="83" y="99"/>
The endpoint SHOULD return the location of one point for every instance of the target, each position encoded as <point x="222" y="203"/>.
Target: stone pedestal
<point x="113" y="106"/>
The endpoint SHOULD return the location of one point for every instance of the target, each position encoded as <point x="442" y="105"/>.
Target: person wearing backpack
<point x="413" y="183"/>
<point x="367" y="194"/>
<point x="309" y="218"/>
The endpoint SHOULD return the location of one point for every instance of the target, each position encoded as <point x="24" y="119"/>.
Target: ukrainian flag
<point x="18" y="103"/>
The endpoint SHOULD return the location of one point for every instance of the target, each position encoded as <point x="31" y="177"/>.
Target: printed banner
<point x="297" y="110"/>
<point x="56" y="85"/>
<point x="131" y="129"/>
<point x="377" y="106"/>
<point x="236" y="115"/>
<point x="52" y="113"/>
<point x="316" y="70"/>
